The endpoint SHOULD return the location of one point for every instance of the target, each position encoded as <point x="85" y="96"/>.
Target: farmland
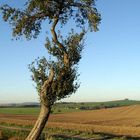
<point x="64" y="107"/>
<point x="118" y="121"/>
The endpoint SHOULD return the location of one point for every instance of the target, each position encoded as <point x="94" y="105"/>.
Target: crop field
<point x="21" y="110"/>
<point x="119" y="121"/>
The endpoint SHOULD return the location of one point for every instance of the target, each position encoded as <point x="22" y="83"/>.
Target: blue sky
<point x="110" y="67"/>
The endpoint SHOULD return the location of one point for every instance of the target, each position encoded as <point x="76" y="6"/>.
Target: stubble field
<point x="115" y="121"/>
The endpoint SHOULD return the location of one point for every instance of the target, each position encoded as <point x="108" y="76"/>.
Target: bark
<point x="60" y="45"/>
<point x="40" y="123"/>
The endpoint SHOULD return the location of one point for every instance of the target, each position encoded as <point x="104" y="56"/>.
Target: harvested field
<point x="118" y="121"/>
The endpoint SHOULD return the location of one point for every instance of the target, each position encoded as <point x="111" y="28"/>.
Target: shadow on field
<point x="104" y="137"/>
<point x="67" y="137"/>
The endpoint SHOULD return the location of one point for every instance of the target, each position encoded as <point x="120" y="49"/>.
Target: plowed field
<point x="118" y="121"/>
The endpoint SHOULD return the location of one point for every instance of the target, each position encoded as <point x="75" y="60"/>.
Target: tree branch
<point x="60" y="45"/>
<point x="45" y="87"/>
<point x="55" y="38"/>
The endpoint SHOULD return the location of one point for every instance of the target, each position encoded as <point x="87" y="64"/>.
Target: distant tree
<point x="55" y="79"/>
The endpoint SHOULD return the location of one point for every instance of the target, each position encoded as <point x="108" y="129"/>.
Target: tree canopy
<point x="28" y="21"/>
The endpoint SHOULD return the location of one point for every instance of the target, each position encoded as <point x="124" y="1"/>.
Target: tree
<point x="57" y="78"/>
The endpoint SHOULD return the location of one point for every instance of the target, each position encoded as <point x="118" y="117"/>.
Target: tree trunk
<point x="40" y="123"/>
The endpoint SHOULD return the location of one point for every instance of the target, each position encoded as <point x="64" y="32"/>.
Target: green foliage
<point x="28" y="22"/>
<point x="72" y="45"/>
<point x="64" y="76"/>
<point x="39" y="68"/>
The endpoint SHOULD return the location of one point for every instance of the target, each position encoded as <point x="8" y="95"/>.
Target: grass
<point x="55" y="135"/>
<point x="6" y="134"/>
<point x="32" y="110"/>
<point x="59" y="134"/>
<point x="21" y="110"/>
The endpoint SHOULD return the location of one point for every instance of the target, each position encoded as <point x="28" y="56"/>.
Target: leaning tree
<point x="56" y="78"/>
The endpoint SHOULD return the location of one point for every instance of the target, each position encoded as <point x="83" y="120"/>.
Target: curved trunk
<point x="40" y="123"/>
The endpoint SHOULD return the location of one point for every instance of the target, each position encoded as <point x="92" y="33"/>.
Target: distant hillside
<point x="26" y="104"/>
<point x="125" y="102"/>
<point x="61" y="106"/>
<point x="95" y="105"/>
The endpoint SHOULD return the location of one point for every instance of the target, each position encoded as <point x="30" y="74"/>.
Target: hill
<point x="94" y="105"/>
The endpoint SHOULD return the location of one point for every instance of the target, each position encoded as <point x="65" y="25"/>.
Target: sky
<point x="109" y="69"/>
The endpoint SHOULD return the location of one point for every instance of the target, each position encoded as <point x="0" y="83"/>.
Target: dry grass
<point x="119" y="121"/>
<point x="1" y="136"/>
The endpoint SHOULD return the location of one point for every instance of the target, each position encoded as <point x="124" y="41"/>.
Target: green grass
<point x="6" y="134"/>
<point x="21" y="110"/>
<point x="32" y="111"/>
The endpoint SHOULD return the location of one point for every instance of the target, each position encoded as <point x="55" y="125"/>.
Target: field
<point x="65" y="107"/>
<point x="119" y="122"/>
